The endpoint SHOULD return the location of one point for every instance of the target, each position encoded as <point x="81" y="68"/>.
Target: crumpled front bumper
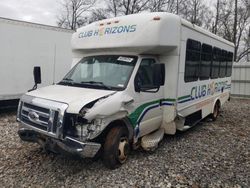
<point x="68" y="145"/>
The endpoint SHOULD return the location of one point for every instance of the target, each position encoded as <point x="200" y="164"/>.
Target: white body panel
<point x="25" y="45"/>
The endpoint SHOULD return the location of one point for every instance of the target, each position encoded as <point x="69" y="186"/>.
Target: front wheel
<point x="116" y="147"/>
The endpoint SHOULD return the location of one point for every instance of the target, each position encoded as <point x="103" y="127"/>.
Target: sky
<point x="37" y="11"/>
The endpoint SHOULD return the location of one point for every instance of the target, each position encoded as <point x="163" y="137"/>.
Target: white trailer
<point x="135" y="78"/>
<point x="25" y="45"/>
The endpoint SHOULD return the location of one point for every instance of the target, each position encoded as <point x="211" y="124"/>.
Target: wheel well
<point x="218" y="102"/>
<point x="115" y="123"/>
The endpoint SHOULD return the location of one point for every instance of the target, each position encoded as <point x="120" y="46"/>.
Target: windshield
<point x="110" y="72"/>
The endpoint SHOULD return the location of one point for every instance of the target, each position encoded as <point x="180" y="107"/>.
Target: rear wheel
<point x="216" y="111"/>
<point x="116" y="147"/>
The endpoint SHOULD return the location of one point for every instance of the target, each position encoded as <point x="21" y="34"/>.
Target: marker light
<point x="157" y="18"/>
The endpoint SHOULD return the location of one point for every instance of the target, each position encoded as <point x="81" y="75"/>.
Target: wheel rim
<point x="123" y="150"/>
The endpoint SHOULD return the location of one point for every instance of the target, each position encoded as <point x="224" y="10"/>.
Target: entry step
<point x="150" y="142"/>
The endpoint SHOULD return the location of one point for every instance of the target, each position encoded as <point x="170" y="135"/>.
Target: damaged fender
<point x="107" y="109"/>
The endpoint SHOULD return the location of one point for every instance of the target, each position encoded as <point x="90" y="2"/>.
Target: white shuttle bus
<point x="133" y="79"/>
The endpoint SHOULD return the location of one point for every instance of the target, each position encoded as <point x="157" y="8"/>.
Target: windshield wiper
<point x="97" y="83"/>
<point x="68" y="79"/>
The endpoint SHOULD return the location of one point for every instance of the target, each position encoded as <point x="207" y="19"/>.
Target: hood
<point x="75" y="97"/>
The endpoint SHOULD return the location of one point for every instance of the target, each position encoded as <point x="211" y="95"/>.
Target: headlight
<point x="93" y="127"/>
<point x="82" y="131"/>
<point x="88" y="130"/>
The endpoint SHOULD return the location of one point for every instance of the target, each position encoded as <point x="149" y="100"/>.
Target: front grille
<point x="39" y="117"/>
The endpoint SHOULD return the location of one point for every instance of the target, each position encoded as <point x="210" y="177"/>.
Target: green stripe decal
<point x="168" y="100"/>
<point x="138" y="111"/>
<point x="134" y="116"/>
<point x="184" y="97"/>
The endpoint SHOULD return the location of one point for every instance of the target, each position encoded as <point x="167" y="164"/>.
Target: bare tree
<point x="126" y="7"/>
<point x="114" y="6"/>
<point x="232" y="25"/>
<point x="98" y="14"/>
<point x="228" y="18"/>
<point x="235" y="28"/>
<point x="71" y="16"/>
<point x="241" y="32"/>
<point x="246" y="50"/>
<point x="158" y="5"/>
<point x="176" y="6"/>
<point x="134" y="6"/>
<point x="194" y="11"/>
<point x="215" y="25"/>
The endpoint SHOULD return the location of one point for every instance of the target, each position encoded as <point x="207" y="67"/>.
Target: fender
<point x="117" y="122"/>
<point x="129" y="127"/>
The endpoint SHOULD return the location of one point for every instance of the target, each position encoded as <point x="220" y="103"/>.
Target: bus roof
<point x="188" y="24"/>
<point x="153" y="33"/>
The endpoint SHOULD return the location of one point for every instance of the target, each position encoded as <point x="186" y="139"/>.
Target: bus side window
<point x="223" y="64"/>
<point x="193" y="57"/>
<point x="216" y="63"/>
<point x="229" y="64"/>
<point x="206" y="60"/>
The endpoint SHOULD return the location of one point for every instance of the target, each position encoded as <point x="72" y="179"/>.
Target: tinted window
<point x="229" y="64"/>
<point x="223" y="64"/>
<point x="145" y="73"/>
<point x="206" y="60"/>
<point x="192" y="60"/>
<point x="216" y="63"/>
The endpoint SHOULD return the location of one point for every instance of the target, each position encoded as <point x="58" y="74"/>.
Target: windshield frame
<point x="92" y="86"/>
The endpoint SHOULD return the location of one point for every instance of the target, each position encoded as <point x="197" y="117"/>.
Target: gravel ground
<point x="212" y="154"/>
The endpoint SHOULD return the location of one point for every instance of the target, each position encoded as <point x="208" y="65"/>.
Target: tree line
<point x="226" y="18"/>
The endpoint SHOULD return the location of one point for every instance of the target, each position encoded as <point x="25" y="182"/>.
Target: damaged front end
<point x="95" y="116"/>
<point x="47" y="123"/>
<point x="68" y="145"/>
<point x="80" y="128"/>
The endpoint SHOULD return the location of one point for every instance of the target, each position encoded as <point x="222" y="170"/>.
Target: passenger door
<point x="148" y="100"/>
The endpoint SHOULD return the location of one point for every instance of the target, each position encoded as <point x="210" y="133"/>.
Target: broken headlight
<point x="88" y="130"/>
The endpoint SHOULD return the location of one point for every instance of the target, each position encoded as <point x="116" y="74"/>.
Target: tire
<point x="216" y="111"/>
<point x="116" y="147"/>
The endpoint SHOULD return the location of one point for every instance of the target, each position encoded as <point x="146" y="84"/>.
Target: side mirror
<point x="159" y="74"/>
<point x="37" y="75"/>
